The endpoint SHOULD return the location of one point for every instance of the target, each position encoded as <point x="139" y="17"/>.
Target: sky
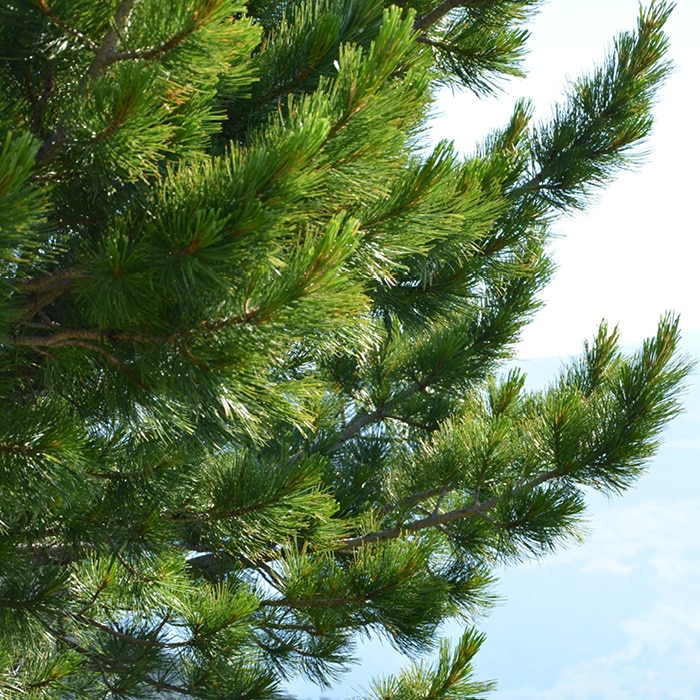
<point x="633" y="255"/>
<point x="617" y="618"/>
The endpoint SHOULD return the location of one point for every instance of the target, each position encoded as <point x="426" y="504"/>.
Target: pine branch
<point x="287" y="646"/>
<point x="438" y="519"/>
<point x="78" y="338"/>
<point x="412" y="500"/>
<point x="135" y="641"/>
<point x="39" y="101"/>
<point x="72" y="339"/>
<point x="324" y="602"/>
<point x="42" y="292"/>
<point x="52" y="145"/>
<point x="287" y="87"/>
<point x="105" y="664"/>
<point x="215" y="495"/>
<point x="57" y="554"/>
<point x="432" y="43"/>
<point x="407" y="421"/>
<point x="357" y="424"/>
<point x="156" y="52"/>
<point x="104" y="57"/>
<point x="289" y="626"/>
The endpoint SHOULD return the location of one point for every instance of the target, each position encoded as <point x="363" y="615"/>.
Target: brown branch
<point x="209" y="562"/>
<point x="40" y="103"/>
<point x="309" y="629"/>
<point x="408" y="422"/>
<point x="287" y="645"/>
<point x="212" y="515"/>
<point x="412" y="500"/>
<point x="322" y="602"/>
<point x="104" y="57"/>
<point x="80" y="339"/>
<point x="104" y="54"/>
<point x="283" y="89"/>
<point x="434" y="44"/>
<point x="363" y="420"/>
<point x="43" y="291"/>
<point x="249" y="316"/>
<point x="59" y="339"/>
<point x="99" y="659"/>
<point x="439" y="519"/>
<point x="104" y="663"/>
<point x="357" y="424"/>
<point x="435" y="519"/>
<point x="99" y="590"/>
<point x="86" y="620"/>
<point x="52" y="144"/>
<point x="156" y="51"/>
<point x="536" y="182"/>
<point x="56" y="554"/>
<point x="76" y="336"/>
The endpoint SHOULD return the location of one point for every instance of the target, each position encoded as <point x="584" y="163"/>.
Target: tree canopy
<point x="256" y="337"/>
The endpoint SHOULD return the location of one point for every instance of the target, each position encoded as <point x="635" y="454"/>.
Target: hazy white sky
<point x="634" y="254"/>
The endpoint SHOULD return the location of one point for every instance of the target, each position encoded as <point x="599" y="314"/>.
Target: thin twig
<point x="104" y="663"/>
<point x="408" y="421"/>
<point x="86" y="620"/>
<point x="437" y="13"/>
<point x="86" y="41"/>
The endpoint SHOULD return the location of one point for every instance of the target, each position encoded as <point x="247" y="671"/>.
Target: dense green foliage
<point x="253" y="331"/>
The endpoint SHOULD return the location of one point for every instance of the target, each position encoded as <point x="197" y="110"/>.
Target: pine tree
<point x="253" y="334"/>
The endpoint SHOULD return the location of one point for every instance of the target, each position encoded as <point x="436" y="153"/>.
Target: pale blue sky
<point x="617" y="618"/>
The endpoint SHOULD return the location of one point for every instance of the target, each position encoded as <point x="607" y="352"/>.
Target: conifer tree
<point x="253" y="332"/>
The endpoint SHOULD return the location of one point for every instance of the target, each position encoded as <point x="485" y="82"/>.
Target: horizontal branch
<point x="413" y="499"/>
<point x="86" y="620"/>
<point x="59" y="280"/>
<point x="105" y="664"/>
<point x="439" y="519"/>
<point x="155" y="52"/>
<point x="323" y="602"/>
<point x="355" y="426"/>
<point x="78" y="336"/>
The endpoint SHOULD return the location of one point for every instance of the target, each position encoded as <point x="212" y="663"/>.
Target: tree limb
<point x="438" y="519"/>
<point x="105" y="53"/>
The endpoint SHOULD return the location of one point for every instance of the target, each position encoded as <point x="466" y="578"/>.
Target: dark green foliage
<point x="252" y="338"/>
